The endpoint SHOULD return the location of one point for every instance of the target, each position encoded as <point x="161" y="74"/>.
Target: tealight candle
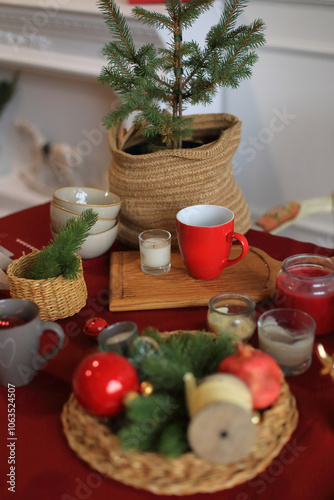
<point x="155" y="251"/>
<point x="232" y="313"/>
<point x="288" y="336"/>
<point x="118" y="337"/>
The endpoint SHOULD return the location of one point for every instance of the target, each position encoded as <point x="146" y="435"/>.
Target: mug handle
<point x="57" y="329"/>
<point x="244" y="247"/>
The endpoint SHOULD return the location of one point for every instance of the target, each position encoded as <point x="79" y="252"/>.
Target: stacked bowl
<point x="69" y="202"/>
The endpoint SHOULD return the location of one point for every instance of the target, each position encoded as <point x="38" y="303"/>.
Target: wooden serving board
<point x="132" y="290"/>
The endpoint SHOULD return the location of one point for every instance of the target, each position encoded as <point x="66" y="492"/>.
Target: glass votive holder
<point x="287" y="335"/>
<point x="155" y="251"/>
<point x="118" y="337"/>
<point x="232" y="313"/>
<point x="306" y="282"/>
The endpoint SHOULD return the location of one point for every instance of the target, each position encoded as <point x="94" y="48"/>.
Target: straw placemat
<point x="93" y="441"/>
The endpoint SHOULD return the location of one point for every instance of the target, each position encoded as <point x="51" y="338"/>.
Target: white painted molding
<point x="67" y="40"/>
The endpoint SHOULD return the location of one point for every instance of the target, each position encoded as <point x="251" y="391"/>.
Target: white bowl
<point x="95" y="244"/>
<point x="59" y="217"/>
<point x="105" y="203"/>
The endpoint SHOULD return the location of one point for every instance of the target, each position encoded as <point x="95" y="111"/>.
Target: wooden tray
<point x="132" y="290"/>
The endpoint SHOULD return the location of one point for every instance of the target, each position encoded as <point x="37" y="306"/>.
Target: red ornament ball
<point x="101" y="381"/>
<point x="94" y="326"/>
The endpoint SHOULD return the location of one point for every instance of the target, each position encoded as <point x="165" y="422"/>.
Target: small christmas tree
<point x="182" y="73"/>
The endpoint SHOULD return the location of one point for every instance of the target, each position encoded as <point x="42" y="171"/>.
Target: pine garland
<point x="152" y="80"/>
<point x="59" y="257"/>
<point x="159" y="422"/>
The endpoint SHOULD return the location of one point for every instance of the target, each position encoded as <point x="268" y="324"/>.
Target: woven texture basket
<point x="154" y="187"/>
<point x="56" y="298"/>
<point x="94" y="443"/>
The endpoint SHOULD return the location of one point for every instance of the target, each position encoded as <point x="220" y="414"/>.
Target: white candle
<point x="287" y="348"/>
<point x="155" y="252"/>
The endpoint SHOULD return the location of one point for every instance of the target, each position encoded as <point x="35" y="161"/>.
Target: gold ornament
<point x="146" y="388"/>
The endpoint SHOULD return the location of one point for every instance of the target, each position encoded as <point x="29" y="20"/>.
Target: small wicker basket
<point x="94" y="443"/>
<point x="56" y="298"/>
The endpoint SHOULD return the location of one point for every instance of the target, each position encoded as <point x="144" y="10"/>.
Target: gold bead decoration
<point x="146" y="388"/>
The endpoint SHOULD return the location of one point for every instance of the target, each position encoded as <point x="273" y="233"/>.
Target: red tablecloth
<point x="47" y="469"/>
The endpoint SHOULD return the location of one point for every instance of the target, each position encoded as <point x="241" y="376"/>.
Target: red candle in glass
<point x="306" y="282"/>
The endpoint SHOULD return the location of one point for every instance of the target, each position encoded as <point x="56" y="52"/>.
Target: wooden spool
<point x="221" y="429"/>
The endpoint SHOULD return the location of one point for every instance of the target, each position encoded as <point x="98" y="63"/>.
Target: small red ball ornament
<point x="101" y="381"/>
<point x="94" y="326"/>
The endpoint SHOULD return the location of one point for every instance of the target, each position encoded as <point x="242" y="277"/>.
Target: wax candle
<point x="283" y="346"/>
<point x="155" y="251"/>
<point x="232" y="313"/>
<point x="306" y="282"/>
<point x="240" y="325"/>
<point x="118" y="337"/>
<point x="288" y="336"/>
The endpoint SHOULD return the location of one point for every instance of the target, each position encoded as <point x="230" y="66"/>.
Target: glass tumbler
<point x="306" y="282"/>
<point x="232" y="313"/>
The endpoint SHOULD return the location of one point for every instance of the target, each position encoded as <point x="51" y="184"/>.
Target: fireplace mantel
<point x="62" y="36"/>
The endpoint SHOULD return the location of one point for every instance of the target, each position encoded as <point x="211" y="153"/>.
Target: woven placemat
<point x="94" y="443"/>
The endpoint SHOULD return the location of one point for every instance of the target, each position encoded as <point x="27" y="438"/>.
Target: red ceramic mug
<point x="205" y="234"/>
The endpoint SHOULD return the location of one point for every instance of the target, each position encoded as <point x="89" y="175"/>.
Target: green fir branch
<point x="159" y="422"/>
<point x="59" y="257"/>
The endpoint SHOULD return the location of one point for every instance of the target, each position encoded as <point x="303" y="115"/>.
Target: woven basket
<point x="94" y="443"/>
<point x="154" y="187"/>
<point x="56" y="298"/>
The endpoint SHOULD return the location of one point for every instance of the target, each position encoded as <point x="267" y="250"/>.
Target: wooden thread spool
<point x="221" y="428"/>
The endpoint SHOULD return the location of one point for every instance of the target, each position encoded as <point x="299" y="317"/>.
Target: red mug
<point x="205" y="234"/>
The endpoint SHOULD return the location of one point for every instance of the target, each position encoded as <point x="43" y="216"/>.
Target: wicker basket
<point x="56" y="298"/>
<point x="155" y="186"/>
<point x="94" y="443"/>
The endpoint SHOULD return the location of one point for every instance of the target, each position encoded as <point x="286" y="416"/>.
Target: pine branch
<point x="159" y="422"/>
<point x="59" y="257"/>
<point x="154" y="19"/>
<point x="117" y="25"/>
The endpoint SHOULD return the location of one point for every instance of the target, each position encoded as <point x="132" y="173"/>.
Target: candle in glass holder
<point x="288" y="336"/>
<point x="232" y="313"/>
<point x="118" y="337"/>
<point x="155" y="251"/>
<point x="306" y="282"/>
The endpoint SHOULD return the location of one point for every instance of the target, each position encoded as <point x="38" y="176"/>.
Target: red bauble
<point x="258" y="370"/>
<point x="94" y="326"/>
<point x="102" y="380"/>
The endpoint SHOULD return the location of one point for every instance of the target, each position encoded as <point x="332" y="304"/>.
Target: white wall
<point x="287" y="147"/>
<point x="287" y="110"/>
